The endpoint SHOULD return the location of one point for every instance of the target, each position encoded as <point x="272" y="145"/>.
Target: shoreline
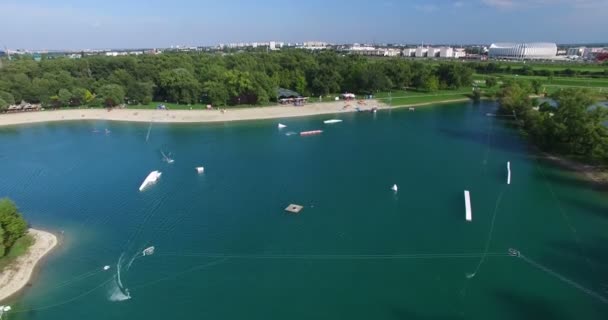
<point x="19" y="273"/>
<point x="201" y="116"/>
<point x="596" y="176"/>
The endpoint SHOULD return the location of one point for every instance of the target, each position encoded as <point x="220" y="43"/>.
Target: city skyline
<point x="70" y="24"/>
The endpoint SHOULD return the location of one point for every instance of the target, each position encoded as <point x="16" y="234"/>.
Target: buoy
<point x="281" y="126"/>
<point x="395" y="188"/>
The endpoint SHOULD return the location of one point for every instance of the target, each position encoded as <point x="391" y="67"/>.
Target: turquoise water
<point x="225" y="249"/>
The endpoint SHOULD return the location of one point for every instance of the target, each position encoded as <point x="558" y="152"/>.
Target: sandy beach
<point x="194" y="116"/>
<point x="185" y="116"/>
<point x="18" y="274"/>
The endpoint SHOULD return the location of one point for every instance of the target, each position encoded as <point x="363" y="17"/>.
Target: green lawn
<point x="19" y="248"/>
<point x="401" y="98"/>
<point x="177" y="106"/>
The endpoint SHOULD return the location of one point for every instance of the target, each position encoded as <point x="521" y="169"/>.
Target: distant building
<point x="591" y="53"/>
<point x="576" y="52"/>
<point x="373" y="51"/>
<point x="421" y="52"/>
<point x="538" y="50"/>
<point x="409" y="52"/>
<point x="446" y="52"/>
<point x="433" y="52"/>
<point x="459" y="53"/>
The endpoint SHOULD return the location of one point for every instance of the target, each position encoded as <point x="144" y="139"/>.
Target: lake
<point x="226" y="249"/>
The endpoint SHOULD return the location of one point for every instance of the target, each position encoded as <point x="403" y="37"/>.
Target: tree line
<point x="571" y="123"/>
<point x="215" y="78"/>
<point x="527" y="70"/>
<point x="12" y="226"/>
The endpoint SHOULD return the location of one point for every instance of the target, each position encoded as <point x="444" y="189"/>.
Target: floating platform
<point x="310" y="133"/>
<point x="294" y="208"/>
<point x="467" y="204"/>
<point x="150" y="179"/>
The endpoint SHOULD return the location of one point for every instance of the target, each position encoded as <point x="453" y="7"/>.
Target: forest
<point x="12" y="226"/>
<point x="245" y="78"/>
<point x="571" y="123"/>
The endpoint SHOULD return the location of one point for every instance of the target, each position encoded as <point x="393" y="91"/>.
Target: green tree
<point x="3" y="105"/>
<point x="81" y="96"/>
<point x="111" y="95"/>
<point x="7" y="97"/>
<point x="179" y="85"/>
<point x="64" y="97"/>
<point x="537" y="85"/>
<point x="583" y="130"/>
<point x="216" y="92"/>
<point x="431" y="83"/>
<point x="12" y="224"/>
<point x="491" y="82"/>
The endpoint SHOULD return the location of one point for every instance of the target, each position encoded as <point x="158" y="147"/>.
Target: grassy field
<point x="19" y="248"/>
<point x="403" y="98"/>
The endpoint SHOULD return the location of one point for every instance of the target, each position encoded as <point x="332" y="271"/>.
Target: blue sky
<point x="78" y="24"/>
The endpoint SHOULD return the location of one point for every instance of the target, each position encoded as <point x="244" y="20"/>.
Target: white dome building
<point x="535" y="50"/>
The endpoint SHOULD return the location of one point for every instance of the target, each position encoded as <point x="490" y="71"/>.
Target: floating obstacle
<point x="148" y="251"/>
<point x="166" y="158"/>
<point x="508" y="172"/>
<point x="200" y="170"/>
<point x="395" y="188"/>
<point x="150" y="179"/>
<point x="332" y="121"/>
<point x="467" y="205"/>
<point x="294" y="208"/>
<point x="281" y="126"/>
<point x="310" y="133"/>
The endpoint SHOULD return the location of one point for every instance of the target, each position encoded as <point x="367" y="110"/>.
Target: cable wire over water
<point x="589" y="292"/>
<point x="336" y="256"/>
<point x="490" y="235"/>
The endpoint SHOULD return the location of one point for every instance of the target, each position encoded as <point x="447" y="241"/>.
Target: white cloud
<point x="577" y="4"/>
<point x="502" y="4"/>
<point x="426" y="8"/>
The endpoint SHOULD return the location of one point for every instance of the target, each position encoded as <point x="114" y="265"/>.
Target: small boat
<point x="395" y="188"/>
<point x="150" y="179"/>
<point x="310" y="133"/>
<point x="281" y="126"/>
<point x="412" y="109"/>
<point x="332" y="121"/>
<point x="290" y="133"/>
<point x="106" y="268"/>
<point x="200" y="169"/>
